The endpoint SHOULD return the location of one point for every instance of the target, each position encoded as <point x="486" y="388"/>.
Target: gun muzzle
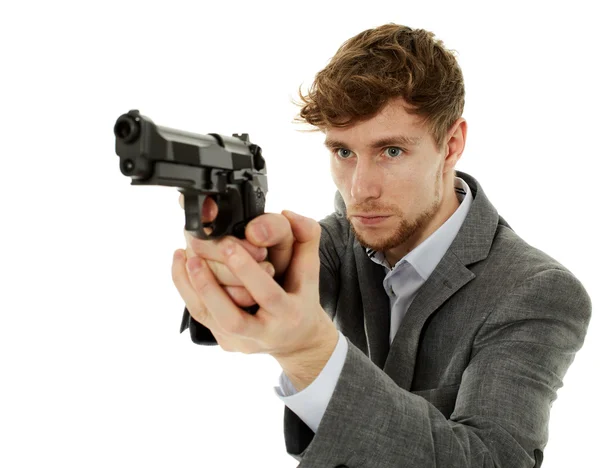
<point x="127" y="129"/>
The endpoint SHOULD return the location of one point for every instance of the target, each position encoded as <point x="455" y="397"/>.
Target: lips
<point x="371" y="220"/>
<point x="370" y="215"/>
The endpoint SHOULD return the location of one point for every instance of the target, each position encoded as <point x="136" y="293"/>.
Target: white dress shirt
<point x="401" y="284"/>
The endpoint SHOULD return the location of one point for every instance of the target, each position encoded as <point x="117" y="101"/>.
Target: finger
<point x="279" y="239"/>
<point x="182" y="282"/>
<point x="210" y="208"/>
<point x="305" y="262"/>
<point x="265" y="291"/>
<point x="225" y="277"/>
<point x="209" y="248"/>
<point x="194" y="304"/>
<point x="209" y="211"/>
<point x="230" y="318"/>
<point x="240" y="295"/>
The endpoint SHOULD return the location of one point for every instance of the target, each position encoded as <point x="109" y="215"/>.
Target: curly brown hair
<point x="386" y="62"/>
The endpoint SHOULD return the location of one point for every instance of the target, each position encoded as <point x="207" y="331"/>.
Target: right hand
<point x="278" y="246"/>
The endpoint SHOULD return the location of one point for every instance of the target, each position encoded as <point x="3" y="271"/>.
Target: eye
<point x="397" y="153"/>
<point x="335" y="151"/>
<point x="394" y="155"/>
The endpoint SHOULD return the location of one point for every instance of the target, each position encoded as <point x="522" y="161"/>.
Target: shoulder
<point x="515" y="268"/>
<point x="336" y="234"/>
<point x="334" y="229"/>
<point x="510" y="252"/>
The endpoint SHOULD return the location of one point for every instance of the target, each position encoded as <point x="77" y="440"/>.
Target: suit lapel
<point x="448" y="277"/>
<point x="376" y="305"/>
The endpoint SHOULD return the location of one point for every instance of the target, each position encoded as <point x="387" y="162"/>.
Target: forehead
<point x="391" y="125"/>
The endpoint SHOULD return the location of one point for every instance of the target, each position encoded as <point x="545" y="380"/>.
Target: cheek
<point x="337" y="175"/>
<point x="403" y="189"/>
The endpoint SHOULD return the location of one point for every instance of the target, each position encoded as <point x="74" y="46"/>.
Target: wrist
<point x="303" y="367"/>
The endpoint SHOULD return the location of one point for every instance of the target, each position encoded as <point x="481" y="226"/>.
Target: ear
<point x="456" y="144"/>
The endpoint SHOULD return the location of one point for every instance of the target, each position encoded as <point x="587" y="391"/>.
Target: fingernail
<point x="295" y="215"/>
<point x="259" y="232"/>
<point x="262" y="254"/>
<point x="194" y="265"/>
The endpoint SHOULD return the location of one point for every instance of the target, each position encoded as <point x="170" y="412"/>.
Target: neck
<point x="447" y="209"/>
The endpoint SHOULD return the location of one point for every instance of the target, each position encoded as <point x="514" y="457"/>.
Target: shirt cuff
<point x="310" y="404"/>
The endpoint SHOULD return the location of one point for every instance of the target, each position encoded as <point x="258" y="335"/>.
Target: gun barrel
<point x="141" y="144"/>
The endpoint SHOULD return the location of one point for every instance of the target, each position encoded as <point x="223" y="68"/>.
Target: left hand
<point x="290" y="320"/>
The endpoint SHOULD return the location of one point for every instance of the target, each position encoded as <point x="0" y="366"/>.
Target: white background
<point x="94" y="372"/>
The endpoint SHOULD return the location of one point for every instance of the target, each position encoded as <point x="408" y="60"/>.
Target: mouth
<point x="371" y="220"/>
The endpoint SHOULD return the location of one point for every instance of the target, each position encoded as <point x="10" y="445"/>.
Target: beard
<point x="381" y="240"/>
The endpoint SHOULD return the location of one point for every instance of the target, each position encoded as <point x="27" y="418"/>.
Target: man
<point x="414" y="328"/>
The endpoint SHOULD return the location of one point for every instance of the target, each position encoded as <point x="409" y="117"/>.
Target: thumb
<point x="305" y="262"/>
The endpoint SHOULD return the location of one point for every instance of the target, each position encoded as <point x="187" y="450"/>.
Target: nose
<point x="366" y="182"/>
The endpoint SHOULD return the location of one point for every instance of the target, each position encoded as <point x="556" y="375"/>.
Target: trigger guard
<point x="194" y="204"/>
<point x="221" y="225"/>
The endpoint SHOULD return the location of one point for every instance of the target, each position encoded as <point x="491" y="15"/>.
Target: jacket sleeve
<point x="500" y="419"/>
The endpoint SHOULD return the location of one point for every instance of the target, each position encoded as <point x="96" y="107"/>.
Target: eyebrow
<point x="401" y="140"/>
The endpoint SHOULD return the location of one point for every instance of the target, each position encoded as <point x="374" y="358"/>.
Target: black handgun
<point x="229" y="169"/>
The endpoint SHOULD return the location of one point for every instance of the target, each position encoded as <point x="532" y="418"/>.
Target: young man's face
<point x="412" y="185"/>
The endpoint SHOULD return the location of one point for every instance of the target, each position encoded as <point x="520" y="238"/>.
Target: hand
<point x="279" y="241"/>
<point x="290" y="321"/>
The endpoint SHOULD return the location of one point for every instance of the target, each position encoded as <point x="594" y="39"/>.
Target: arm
<point x="520" y="356"/>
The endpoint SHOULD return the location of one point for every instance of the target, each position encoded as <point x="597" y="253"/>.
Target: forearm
<point x="371" y="421"/>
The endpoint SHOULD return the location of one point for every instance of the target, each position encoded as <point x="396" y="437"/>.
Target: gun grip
<point x="201" y="334"/>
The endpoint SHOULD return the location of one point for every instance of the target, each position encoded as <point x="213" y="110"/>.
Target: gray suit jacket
<point x="473" y="370"/>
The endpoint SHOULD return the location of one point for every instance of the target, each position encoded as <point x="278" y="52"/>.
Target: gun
<point x="229" y="169"/>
